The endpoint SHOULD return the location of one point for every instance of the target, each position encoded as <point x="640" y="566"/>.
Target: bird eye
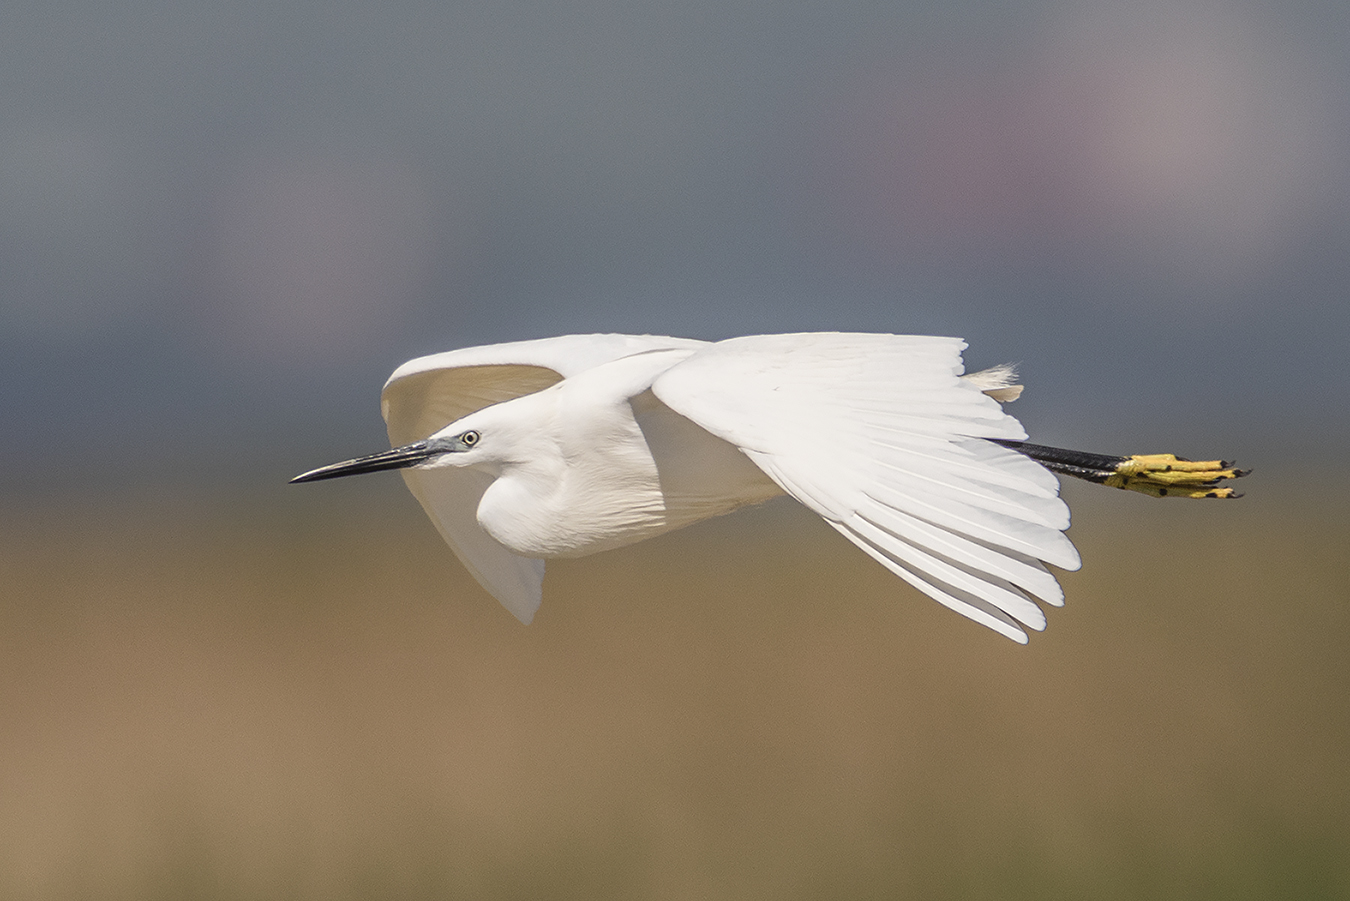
<point x="469" y="438"/>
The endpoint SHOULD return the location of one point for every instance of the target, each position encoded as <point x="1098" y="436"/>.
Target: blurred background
<point x="223" y="224"/>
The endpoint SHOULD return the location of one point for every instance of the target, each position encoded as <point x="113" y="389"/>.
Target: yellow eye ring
<point x="469" y="438"/>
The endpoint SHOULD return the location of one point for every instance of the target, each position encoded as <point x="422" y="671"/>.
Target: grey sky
<point x="222" y="224"/>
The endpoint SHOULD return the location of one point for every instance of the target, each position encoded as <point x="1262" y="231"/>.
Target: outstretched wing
<point x="880" y="436"/>
<point x="426" y="394"/>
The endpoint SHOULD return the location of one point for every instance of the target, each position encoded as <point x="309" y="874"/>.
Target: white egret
<point x="568" y="446"/>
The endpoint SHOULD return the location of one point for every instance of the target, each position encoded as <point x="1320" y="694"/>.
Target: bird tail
<point x="1157" y="475"/>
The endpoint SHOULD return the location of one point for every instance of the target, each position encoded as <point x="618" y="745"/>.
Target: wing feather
<point x="880" y="436"/>
<point x="964" y="551"/>
<point x="998" y="592"/>
<point x="451" y="501"/>
<point x="975" y="608"/>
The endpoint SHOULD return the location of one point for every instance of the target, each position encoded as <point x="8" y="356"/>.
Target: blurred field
<point x="307" y="698"/>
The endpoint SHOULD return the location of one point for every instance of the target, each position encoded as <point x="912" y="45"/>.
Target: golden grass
<point x="209" y="699"/>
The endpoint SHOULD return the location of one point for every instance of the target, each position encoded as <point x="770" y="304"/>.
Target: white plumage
<point x="573" y="445"/>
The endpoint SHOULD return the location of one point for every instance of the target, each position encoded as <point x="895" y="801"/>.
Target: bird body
<point x="602" y="464"/>
<point x="569" y="446"/>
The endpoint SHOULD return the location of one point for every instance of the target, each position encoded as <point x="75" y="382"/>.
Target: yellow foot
<point x="1165" y="475"/>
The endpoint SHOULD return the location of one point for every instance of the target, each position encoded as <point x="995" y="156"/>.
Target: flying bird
<point x="563" y="447"/>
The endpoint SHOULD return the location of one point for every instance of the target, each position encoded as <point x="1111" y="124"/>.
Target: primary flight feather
<point x="569" y="446"/>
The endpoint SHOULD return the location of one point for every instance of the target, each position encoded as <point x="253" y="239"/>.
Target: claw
<point x="1166" y="475"/>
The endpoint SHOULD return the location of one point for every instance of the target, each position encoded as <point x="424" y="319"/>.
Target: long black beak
<point x="397" y="458"/>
